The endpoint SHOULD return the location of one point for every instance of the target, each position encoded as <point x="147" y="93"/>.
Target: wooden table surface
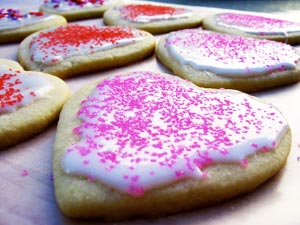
<point x="26" y="182"/>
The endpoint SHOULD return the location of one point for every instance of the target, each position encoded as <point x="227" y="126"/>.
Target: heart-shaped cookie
<point x="15" y="24"/>
<point x="154" y="18"/>
<point x="30" y="102"/>
<point x="131" y="142"/>
<point x="74" y="49"/>
<point x="215" y="60"/>
<point x="254" y="25"/>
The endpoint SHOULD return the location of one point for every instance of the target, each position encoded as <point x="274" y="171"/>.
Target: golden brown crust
<point x="32" y="119"/>
<point x="79" y="198"/>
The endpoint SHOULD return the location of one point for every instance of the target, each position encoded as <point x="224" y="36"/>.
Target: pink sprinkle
<point x="244" y="163"/>
<point x="24" y="173"/>
<point x="179" y="173"/>
<point x="254" y="145"/>
<point x="136" y="190"/>
<point x="91" y="178"/>
<point x="86" y="162"/>
<point x="135" y="178"/>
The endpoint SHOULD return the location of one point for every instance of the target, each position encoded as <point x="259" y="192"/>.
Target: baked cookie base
<point x="80" y="198"/>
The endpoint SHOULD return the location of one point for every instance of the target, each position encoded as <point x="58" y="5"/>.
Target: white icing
<point x="169" y="130"/>
<point x="147" y="19"/>
<point x="229" y="55"/>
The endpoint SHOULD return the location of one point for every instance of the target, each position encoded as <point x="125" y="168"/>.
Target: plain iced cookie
<point x="30" y="102"/>
<point x="15" y="24"/>
<point x="254" y="25"/>
<point x="215" y="60"/>
<point x="75" y="49"/>
<point x="151" y="17"/>
<point x="162" y="145"/>
<point x="78" y="9"/>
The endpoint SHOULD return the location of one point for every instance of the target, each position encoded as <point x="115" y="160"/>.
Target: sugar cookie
<point x="162" y="145"/>
<point x="151" y="17"/>
<point x="15" y="24"/>
<point x="30" y="102"/>
<point x="74" y="49"/>
<point x="254" y="25"/>
<point x="78" y="9"/>
<point x="216" y="60"/>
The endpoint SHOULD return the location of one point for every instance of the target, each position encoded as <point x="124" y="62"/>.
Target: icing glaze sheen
<point x="52" y="46"/>
<point x="255" y="24"/>
<point x="144" y="13"/>
<point x="66" y="5"/>
<point x="18" y="89"/>
<point x="13" y="18"/>
<point x="143" y="130"/>
<point x="229" y="55"/>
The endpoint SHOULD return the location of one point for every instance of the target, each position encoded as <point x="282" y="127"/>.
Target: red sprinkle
<point x="9" y="95"/>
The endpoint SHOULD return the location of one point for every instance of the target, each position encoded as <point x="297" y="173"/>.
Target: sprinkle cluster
<point x="134" y="11"/>
<point x="14" y="14"/>
<point x="254" y="23"/>
<point x="143" y="130"/>
<point x="230" y="55"/>
<point x="52" y="46"/>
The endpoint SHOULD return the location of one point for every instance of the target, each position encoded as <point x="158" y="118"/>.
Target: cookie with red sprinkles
<point x="162" y="141"/>
<point x="74" y="49"/>
<point x="262" y="26"/>
<point x="16" y="24"/>
<point x="216" y="60"/>
<point x="152" y="17"/>
<point x="78" y="9"/>
<point x="30" y="102"/>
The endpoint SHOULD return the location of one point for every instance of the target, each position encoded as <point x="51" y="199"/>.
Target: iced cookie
<point x="78" y="9"/>
<point x="15" y="25"/>
<point x="154" y="18"/>
<point x="216" y="60"/>
<point x="256" y="26"/>
<point x="162" y="145"/>
<point x="30" y="102"/>
<point x="74" y="49"/>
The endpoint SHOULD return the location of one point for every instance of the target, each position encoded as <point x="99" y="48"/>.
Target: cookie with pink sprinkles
<point x="259" y="26"/>
<point x="215" y="60"/>
<point x="75" y="49"/>
<point x="162" y="145"/>
<point x="30" y="102"/>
